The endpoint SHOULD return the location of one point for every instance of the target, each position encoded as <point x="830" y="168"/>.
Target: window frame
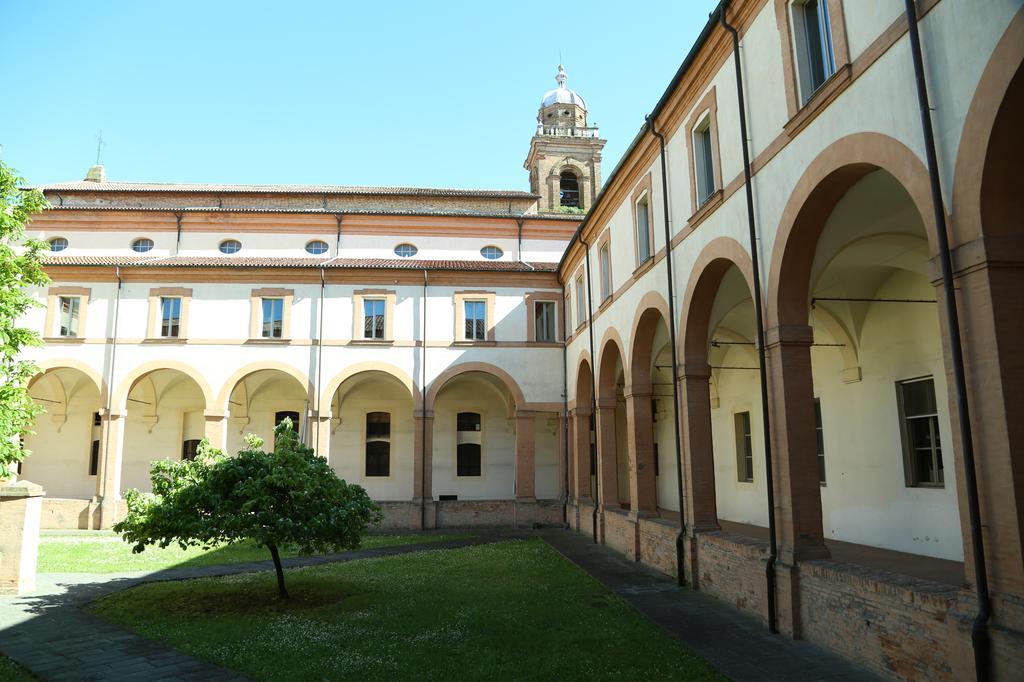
<point x="604" y="268"/>
<point x="911" y="474"/>
<point x="376" y="439"/>
<point x="461" y="298"/>
<point x="155" y="326"/>
<point x="257" y="296"/>
<point x="500" y="251"/>
<point x="706" y="111"/>
<point x="479" y="444"/>
<point x="136" y="242"/>
<point x="802" y="49"/>
<point x="414" y="248"/>
<point x="744" y="432"/>
<point x="53" y="312"/>
<point x="66" y="243"/>
<point x="359" y="298"/>
<point x="326" y="249"/>
<point x="532" y="299"/>
<point x="643" y="194"/>
<point x="791" y="77"/>
<point x="819" y="430"/>
<point x="582" y="313"/>
<point x="221" y="243"/>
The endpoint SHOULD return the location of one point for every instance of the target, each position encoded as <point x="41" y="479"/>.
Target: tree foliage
<point x="20" y="268"/>
<point x="288" y="497"/>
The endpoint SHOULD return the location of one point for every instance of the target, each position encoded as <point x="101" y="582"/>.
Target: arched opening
<point x="372" y="434"/>
<point x="569" y="189"/>
<point x="857" y="273"/>
<point x="259" y="401"/>
<point x="612" y="439"/>
<point x="649" y="408"/>
<point x="584" y="465"/>
<point x="66" y="445"/>
<point x="474" y="445"/>
<point x="163" y="420"/>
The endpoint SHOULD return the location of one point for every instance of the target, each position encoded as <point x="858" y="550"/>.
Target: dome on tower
<point x="562" y="94"/>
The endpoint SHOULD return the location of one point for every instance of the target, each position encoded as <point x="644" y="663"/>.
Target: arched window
<point x="569" y="189"/>
<point x="378" y="444"/>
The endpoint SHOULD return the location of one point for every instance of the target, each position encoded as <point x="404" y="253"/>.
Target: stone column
<point x="21" y="506"/>
<point x="643" y="486"/>
<point x="215" y="429"/>
<point x="111" y="458"/>
<point x="423" y="462"/>
<point x="607" y="466"/>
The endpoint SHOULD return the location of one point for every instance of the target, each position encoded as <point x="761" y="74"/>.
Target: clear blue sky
<point x="370" y="93"/>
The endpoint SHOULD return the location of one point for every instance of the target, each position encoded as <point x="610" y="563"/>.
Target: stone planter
<point x="21" y="506"/>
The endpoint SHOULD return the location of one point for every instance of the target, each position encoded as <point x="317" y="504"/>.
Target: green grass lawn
<point x="12" y="672"/>
<point x="512" y="610"/>
<point x="90" y="552"/>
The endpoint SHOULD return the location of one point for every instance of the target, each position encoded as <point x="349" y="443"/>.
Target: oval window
<point x="142" y="245"/>
<point x="230" y="246"/>
<point x="491" y="252"/>
<point x="405" y="250"/>
<point x="316" y="247"/>
<point x="58" y="244"/>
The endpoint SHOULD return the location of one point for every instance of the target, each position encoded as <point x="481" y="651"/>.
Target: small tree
<point x="288" y="497"/>
<point x="20" y="268"/>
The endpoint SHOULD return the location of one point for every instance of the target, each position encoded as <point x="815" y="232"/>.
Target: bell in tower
<point x="565" y="153"/>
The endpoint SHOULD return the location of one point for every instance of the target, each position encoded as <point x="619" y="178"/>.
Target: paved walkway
<point x="736" y="643"/>
<point x="48" y="633"/>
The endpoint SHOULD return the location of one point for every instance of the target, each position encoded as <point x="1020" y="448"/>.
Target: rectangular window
<point x="170" y="316"/>
<point x="820" y="432"/>
<point x="643" y="231"/>
<point x="812" y="33"/>
<point x="476" y="320"/>
<point x="273" y="318"/>
<point x="94" y="458"/>
<point x="467" y="447"/>
<point x="605" y="259"/>
<point x="281" y="416"/>
<point x="373" y="318"/>
<point x="703" y="160"/>
<point x="378" y="444"/>
<point x="190" y="448"/>
<point x="544" y="321"/>
<point x="581" y="308"/>
<point x="919" y="425"/>
<point x="744" y="448"/>
<point x="69" y="307"/>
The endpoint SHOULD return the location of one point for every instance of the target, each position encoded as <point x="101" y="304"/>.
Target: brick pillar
<point x="643" y="486"/>
<point x="214" y="429"/>
<point x="581" y="453"/>
<point x="699" y="504"/>
<point x="111" y="456"/>
<point x="525" y="468"/>
<point x="607" y="467"/>
<point x="798" y="520"/>
<point x="423" y="463"/>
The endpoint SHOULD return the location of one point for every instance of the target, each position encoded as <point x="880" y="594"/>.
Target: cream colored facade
<point x="857" y="353"/>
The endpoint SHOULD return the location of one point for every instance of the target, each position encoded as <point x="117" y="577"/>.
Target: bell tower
<point x="565" y="153"/>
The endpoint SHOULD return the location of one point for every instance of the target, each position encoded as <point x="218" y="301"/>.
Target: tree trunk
<point x="281" y="591"/>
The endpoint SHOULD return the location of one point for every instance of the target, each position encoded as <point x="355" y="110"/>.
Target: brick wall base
<point x="658" y="544"/>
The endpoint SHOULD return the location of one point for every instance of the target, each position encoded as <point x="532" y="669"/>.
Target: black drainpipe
<point x="773" y="549"/>
<point x="979" y="631"/>
<point x="565" y="413"/>
<point x="423" y="410"/>
<point x="337" y="242"/>
<point x="680" y="572"/>
<point x="593" y="388"/>
<point x="177" y="245"/>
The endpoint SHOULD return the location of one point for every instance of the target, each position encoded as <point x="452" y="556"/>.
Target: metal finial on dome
<point x="560" y="77"/>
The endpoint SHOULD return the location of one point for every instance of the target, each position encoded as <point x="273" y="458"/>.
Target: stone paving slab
<point x="47" y="632"/>
<point x="735" y="642"/>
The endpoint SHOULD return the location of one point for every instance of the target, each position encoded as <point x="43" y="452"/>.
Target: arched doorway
<point x="262" y="399"/>
<point x="612" y="442"/>
<point x="65" y="448"/>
